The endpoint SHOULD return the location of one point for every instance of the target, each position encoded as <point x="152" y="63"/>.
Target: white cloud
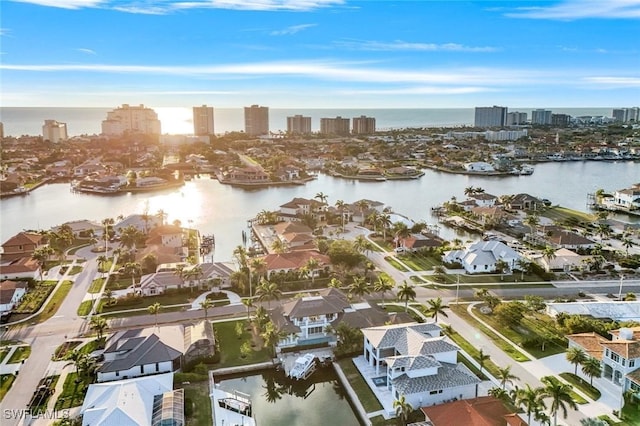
<point x="65" y="4"/>
<point x="157" y="7"/>
<point x="5" y="31"/>
<point x="582" y="9"/>
<point x="87" y="51"/>
<point x="292" y="29"/>
<point x="614" y="81"/>
<point x="422" y="90"/>
<point x="400" y="45"/>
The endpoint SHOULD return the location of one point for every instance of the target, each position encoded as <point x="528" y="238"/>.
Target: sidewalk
<point x="234" y="299"/>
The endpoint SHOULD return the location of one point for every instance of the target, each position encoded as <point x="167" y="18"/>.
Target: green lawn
<point x="531" y="327"/>
<point x="197" y="404"/>
<point x="115" y="283"/>
<point x="76" y="270"/>
<point x="106" y="266"/>
<point x="395" y="264"/>
<point x="386" y="245"/>
<point x="21" y="353"/>
<point x="55" y="302"/>
<point x="473" y="351"/>
<point x="418" y="262"/>
<point x="461" y="311"/>
<point x="3" y="353"/>
<point x="85" y="308"/>
<point x="355" y="379"/>
<point x="230" y="344"/>
<point x="73" y="393"/>
<point x="6" y="380"/>
<point x="166" y="299"/>
<point x="582" y="384"/>
<point x="64" y="349"/>
<point x="577" y="398"/>
<point x="96" y="285"/>
<point x="73" y="251"/>
<point x="562" y="214"/>
<point x="509" y="280"/>
<point x="92" y="346"/>
<point x="142" y="311"/>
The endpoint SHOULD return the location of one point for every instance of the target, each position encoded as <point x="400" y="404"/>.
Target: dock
<point x="288" y="359"/>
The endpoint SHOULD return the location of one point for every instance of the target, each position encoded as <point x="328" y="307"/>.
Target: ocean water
<point x="178" y="120"/>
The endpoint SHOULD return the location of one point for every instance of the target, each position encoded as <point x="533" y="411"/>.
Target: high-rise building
<point x="516" y="118"/>
<point x="298" y="125"/>
<point x="541" y="117"/>
<point x="54" y="131"/>
<point x="364" y="125"/>
<point x="256" y="120"/>
<point x="334" y="126"/>
<point x="203" y="120"/>
<point x="131" y="120"/>
<point x="495" y="116"/>
<point x="626" y="115"/>
<point x="560" y="120"/>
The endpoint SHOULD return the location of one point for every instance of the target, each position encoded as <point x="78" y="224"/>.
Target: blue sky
<point x="320" y="53"/>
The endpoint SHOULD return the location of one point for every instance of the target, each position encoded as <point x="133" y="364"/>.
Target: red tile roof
<point x="482" y="411"/>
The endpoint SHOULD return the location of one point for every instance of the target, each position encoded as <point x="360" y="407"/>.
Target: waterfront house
<point x="481" y="411"/>
<point x="524" y="202"/>
<point x="11" y="292"/>
<point x="298" y="207"/>
<point x="23" y="244"/>
<point x="168" y="278"/>
<point x="294" y="261"/>
<point x="416" y="242"/>
<point x="305" y="320"/>
<point x="479" y="166"/>
<point x="558" y="237"/>
<point x="483" y="199"/>
<point x="294" y="235"/>
<point x="415" y="361"/>
<point x="166" y="235"/>
<point x="563" y="260"/>
<point x="83" y="228"/>
<point x="143" y="401"/>
<point x="246" y="174"/>
<point x="140" y="222"/>
<point x="624" y="199"/>
<point x="620" y="356"/>
<point x="482" y="256"/>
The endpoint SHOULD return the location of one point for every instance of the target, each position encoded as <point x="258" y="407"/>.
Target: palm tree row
<point x="591" y="367"/>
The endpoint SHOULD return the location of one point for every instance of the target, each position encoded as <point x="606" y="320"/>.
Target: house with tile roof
<point x="23" y="244"/>
<point x="294" y="261"/>
<point x="142" y="401"/>
<point x="481" y="411"/>
<point x="416" y="361"/>
<point x="23" y="267"/>
<point x="158" y="282"/>
<point x="305" y="319"/>
<point x="297" y="207"/>
<point x="482" y="256"/>
<point x="558" y="237"/>
<point x="415" y="242"/>
<point x="619" y="357"/>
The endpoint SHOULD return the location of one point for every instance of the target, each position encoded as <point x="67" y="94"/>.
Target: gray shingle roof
<point x="150" y="351"/>
<point x="412" y="362"/>
<point x="449" y="376"/>
<point x="387" y="336"/>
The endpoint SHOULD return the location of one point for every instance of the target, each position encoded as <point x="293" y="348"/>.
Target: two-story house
<point x="620" y="356"/>
<point x="297" y="207"/>
<point x="23" y="244"/>
<point x="414" y="360"/>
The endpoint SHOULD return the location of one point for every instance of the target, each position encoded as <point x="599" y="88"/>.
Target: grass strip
<point x="6" y="380"/>
<point x="20" y="354"/>
<point x="230" y="343"/>
<point x="582" y="384"/>
<point x="96" y="285"/>
<point x="360" y="387"/>
<point x="85" y="308"/>
<point x="55" y="302"/>
<point x="73" y="392"/>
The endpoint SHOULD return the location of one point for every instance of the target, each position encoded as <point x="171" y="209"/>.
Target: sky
<point x="320" y="53"/>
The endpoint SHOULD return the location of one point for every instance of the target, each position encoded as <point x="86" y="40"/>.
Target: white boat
<point x="303" y="367"/>
<point x="230" y="408"/>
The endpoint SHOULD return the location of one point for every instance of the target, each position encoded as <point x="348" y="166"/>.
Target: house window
<point x="615" y="357"/>
<point x="606" y="352"/>
<point x="634" y="386"/>
<point x="632" y="363"/>
<point x="142" y="369"/>
<point x="157" y="367"/>
<point x="117" y="373"/>
<point x="624" y="361"/>
<point x="315" y="330"/>
<point x="434" y="392"/>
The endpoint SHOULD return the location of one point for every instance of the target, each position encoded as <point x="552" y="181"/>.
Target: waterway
<point x="277" y="400"/>
<point x="223" y="210"/>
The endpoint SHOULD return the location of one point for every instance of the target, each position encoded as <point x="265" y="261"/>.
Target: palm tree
<point x="99" y="325"/>
<point x="206" y="304"/>
<point x="271" y="336"/>
<point x="322" y="197"/>
<point x="248" y="303"/>
<point x="505" y="376"/>
<point x="436" y="307"/>
<point x="268" y="291"/>
<point x="630" y="297"/>
<point x="335" y="283"/>
<point x="500" y="393"/>
<point x="360" y="244"/>
<point x="469" y="190"/>
<point x="560" y="395"/>
<point x="591" y="368"/>
<point x="549" y="253"/>
<point x="403" y="409"/>
<point x="532" y="222"/>
<point x="312" y="265"/>
<point x="102" y="260"/>
<point x="341" y="206"/>
<point x="576" y="356"/>
<point x="278" y="246"/>
<point x="76" y="359"/>
<point x="359" y="287"/>
<point x="385" y="223"/>
<point x="155" y="310"/>
<point x="400" y="231"/>
<point x="133" y="269"/>
<point x="383" y="285"/>
<point x="241" y="256"/>
<point x="108" y="297"/>
<point x="259" y="266"/>
<point x="532" y="399"/>
<point x="406" y="292"/>
<point x="627" y="243"/>
<point x="129" y="236"/>
<point x="482" y="357"/>
<point x="41" y="255"/>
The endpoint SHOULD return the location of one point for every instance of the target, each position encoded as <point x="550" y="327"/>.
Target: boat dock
<point x="288" y="360"/>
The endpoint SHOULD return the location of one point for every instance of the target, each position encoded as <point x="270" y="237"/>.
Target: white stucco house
<point x="11" y="292"/>
<point x="415" y="361"/>
<point x="482" y="256"/>
<point x="479" y="166"/>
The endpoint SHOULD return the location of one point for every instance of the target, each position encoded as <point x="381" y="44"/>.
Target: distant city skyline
<point x="320" y="53"/>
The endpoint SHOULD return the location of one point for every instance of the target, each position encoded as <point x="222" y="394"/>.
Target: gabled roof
<point x="141" y="351"/>
<point x="8" y="289"/>
<point x="628" y="349"/>
<point x="387" y="336"/>
<point x="316" y="305"/>
<point x="23" y="238"/>
<point x="294" y="260"/>
<point x="590" y="342"/>
<point x="161" y="279"/>
<point x="449" y="376"/>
